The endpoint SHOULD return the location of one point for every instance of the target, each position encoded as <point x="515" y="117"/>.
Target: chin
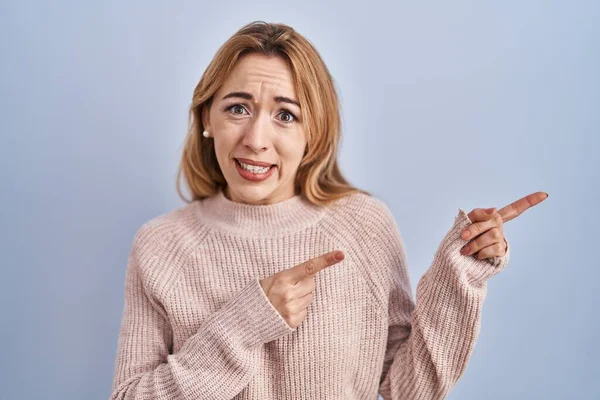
<point x="252" y="194"/>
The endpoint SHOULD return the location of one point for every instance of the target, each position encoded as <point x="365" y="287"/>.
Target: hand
<point x="291" y="290"/>
<point x="487" y="232"/>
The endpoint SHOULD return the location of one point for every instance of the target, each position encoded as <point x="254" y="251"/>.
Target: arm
<point x="430" y="343"/>
<point x="217" y="362"/>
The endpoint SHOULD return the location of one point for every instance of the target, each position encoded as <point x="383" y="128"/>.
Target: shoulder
<point x="366" y="222"/>
<point x="364" y="213"/>
<point x="166" y="241"/>
<point x="366" y="225"/>
<point x="161" y="230"/>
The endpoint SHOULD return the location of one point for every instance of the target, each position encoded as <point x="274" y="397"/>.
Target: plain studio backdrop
<point x="445" y="105"/>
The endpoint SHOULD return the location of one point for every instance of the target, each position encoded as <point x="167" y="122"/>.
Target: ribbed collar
<point x="240" y="219"/>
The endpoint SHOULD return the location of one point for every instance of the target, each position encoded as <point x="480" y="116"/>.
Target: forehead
<point x="258" y="73"/>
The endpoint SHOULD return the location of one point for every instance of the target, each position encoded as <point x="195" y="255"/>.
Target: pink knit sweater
<point x="197" y="325"/>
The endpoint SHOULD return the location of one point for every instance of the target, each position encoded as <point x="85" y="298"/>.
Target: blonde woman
<point x="279" y="279"/>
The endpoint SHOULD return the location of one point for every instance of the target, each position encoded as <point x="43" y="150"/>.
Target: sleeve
<point x="430" y="343"/>
<point x="217" y="362"/>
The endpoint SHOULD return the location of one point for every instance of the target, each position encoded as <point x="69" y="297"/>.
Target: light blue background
<point x="456" y="104"/>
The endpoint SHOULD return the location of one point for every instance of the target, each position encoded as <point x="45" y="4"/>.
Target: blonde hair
<point x="318" y="177"/>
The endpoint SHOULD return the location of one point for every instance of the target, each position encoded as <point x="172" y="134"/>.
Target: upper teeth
<point x="254" y="168"/>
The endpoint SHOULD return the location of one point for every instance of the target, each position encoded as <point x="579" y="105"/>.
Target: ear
<point x="206" y="117"/>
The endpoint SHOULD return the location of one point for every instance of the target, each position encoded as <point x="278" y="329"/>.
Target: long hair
<point x="318" y="178"/>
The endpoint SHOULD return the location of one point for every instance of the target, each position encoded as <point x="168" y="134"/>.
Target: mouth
<point x="253" y="172"/>
<point x="253" y="163"/>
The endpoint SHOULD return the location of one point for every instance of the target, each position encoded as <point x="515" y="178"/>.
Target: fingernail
<point x="339" y="256"/>
<point x="546" y="194"/>
<point x="465" y="234"/>
<point x="465" y="250"/>
<point x="490" y="210"/>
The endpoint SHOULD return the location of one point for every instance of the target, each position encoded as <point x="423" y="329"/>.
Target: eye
<point x="289" y="117"/>
<point x="236" y="109"/>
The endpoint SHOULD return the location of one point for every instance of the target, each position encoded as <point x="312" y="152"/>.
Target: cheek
<point x="226" y="125"/>
<point x="299" y="147"/>
<point x="224" y="146"/>
<point x="226" y="136"/>
<point x="291" y="153"/>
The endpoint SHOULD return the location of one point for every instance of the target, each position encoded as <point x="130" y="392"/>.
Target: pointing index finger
<point x="516" y="208"/>
<point x="313" y="266"/>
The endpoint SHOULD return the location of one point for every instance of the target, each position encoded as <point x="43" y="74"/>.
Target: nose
<point x="258" y="135"/>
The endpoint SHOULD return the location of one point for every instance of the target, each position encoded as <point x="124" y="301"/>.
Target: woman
<point x="280" y="280"/>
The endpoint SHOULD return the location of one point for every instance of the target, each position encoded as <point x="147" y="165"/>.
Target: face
<point x="255" y="118"/>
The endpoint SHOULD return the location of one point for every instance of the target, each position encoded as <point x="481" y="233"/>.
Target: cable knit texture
<point x="196" y="323"/>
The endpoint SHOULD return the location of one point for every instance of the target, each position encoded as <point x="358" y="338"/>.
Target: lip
<point x="252" y="162"/>
<point x="250" y="176"/>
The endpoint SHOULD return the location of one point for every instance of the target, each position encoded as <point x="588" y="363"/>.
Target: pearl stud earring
<point x="205" y="133"/>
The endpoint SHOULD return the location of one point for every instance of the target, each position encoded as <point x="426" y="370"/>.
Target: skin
<point x="291" y="290"/>
<point x="259" y="129"/>
<point x="486" y="233"/>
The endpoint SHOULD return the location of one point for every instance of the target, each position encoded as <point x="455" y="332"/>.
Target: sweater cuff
<point x="477" y="271"/>
<point x="251" y="318"/>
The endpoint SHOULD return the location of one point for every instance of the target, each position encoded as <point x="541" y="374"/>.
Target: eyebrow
<point x="248" y="96"/>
